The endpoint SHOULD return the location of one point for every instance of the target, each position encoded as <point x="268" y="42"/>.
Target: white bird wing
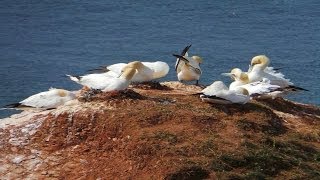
<point x="96" y="81"/>
<point x="214" y="88"/>
<point x="178" y="65"/>
<point x="48" y="99"/>
<point x="277" y="80"/>
<point x="116" y="67"/>
<point x="159" y="68"/>
<point x="234" y="97"/>
<point x="272" y="71"/>
<point x="115" y="84"/>
<point x="259" y="87"/>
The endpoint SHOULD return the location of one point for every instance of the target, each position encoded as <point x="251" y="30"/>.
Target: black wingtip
<point x="295" y="88"/>
<point x="197" y="94"/>
<point x="78" y="77"/>
<point x="180" y="57"/>
<point x="13" y="105"/>
<point x="277" y="69"/>
<point x="177" y="56"/>
<point x="185" y="50"/>
<point x="99" y="70"/>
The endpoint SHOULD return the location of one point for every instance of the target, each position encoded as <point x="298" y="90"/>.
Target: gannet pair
<point x="45" y="100"/>
<point x="120" y="75"/>
<point x="188" y="68"/>
<point x="219" y="93"/>
<point x="259" y="72"/>
<point x="146" y="71"/>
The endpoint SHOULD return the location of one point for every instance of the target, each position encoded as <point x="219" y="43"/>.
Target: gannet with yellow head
<point x="241" y="79"/>
<point x="219" y="93"/>
<point x="45" y="100"/>
<point x="188" y="68"/>
<point x="258" y="71"/>
<point x="107" y="83"/>
<point x="146" y="71"/>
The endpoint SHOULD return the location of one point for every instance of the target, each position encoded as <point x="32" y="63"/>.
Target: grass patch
<point x="165" y="136"/>
<point x="207" y="148"/>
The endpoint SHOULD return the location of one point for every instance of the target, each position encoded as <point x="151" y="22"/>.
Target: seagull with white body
<point x="219" y="93"/>
<point x="45" y="100"/>
<point x="146" y="71"/>
<point x="241" y="79"/>
<point x="188" y="68"/>
<point x="105" y="82"/>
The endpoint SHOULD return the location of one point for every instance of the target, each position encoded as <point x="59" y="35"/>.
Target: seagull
<point x="188" y="68"/>
<point x="258" y="70"/>
<point x="146" y="71"/>
<point x="45" y="100"/>
<point x="219" y="93"/>
<point x="105" y="82"/>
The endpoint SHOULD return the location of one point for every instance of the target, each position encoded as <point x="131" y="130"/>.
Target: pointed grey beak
<point x="181" y="57"/>
<point x="226" y="74"/>
<point x="120" y="74"/>
<point x="250" y="68"/>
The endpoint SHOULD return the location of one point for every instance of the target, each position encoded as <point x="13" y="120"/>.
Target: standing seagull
<point x="45" y="100"/>
<point x="188" y="68"/>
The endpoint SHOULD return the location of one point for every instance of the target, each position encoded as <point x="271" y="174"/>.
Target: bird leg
<point x="197" y="83"/>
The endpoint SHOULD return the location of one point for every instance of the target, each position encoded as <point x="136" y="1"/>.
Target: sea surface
<point x="41" y="40"/>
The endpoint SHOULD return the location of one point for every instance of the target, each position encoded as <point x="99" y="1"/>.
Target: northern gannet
<point x="259" y="88"/>
<point x="146" y="71"/>
<point x="258" y="70"/>
<point x="219" y="93"/>
<point x="45" y="100"/>
<point x="106" y="82"/>
<point x="188" y="68"/>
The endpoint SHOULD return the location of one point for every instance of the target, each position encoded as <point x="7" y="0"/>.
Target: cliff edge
<point x="162" y="131"/>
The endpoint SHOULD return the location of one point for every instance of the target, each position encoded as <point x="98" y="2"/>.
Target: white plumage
<point x="106" y="82"/>
<point x="188" y="68"/>
<point x="258" y="70"/>
<point x="102" y="82"/>
<point x="219" y="93"/>
<point x="146" y="71"/>
<point x="46" y="100"/>
<point x="258" y="88"/>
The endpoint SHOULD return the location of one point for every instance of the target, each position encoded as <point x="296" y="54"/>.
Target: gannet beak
<point x="120" y="74"/>
<point x="250" y="68"/>
<point x="181" y="57"/>
<point x="226" y="74"/>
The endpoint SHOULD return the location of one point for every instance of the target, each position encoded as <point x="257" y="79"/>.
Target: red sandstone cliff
<point x="156" y="132"/>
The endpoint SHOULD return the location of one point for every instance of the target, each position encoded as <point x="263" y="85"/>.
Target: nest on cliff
<point x="151" y="85"/>
<point x="94" y="95"/>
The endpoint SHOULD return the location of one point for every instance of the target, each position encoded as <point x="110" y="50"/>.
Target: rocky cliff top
<point x="162" y="131"/>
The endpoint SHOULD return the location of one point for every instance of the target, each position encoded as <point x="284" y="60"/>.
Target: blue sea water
<point x="40" y="41"/>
